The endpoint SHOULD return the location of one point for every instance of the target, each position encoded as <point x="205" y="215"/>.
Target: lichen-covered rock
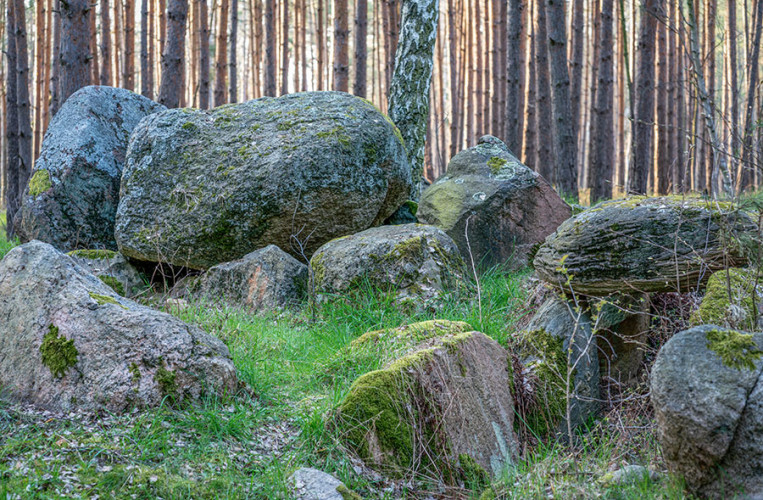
<point x="411" y="260"/>
<point x="663" y="244"/>
<point x="445" y="408"/>
<point x="508" y="207"/>
<point x="558" y="347"/>
<point x="68" y="341"/>
<point x="204" y="187"/>
<point x="707" y="393"/>
<point x="742" y="310"/>
<point x="267" y="278"/>
<point x="73" y="192"/>
<point x="113" y="269"/>
<point x="312" y="484"/>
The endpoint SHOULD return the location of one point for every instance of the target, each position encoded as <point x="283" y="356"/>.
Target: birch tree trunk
<point x="174" y="51"/>
<point x="409" y="89"/>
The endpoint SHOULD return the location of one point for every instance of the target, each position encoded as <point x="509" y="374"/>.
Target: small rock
<point x="313" y="484"/>
<point x="630" y="474"/>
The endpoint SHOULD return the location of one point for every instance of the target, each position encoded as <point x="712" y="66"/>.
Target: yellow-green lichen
<point x="135" y="372"/>
<point x="495" y="163"/>
<point x="58" y="353"/>
<point x="93" y="254"/>
<point x="737" y="350"/>
<point x="105" y="299"/>
<point x="347" y="493"/>
<point x="113" y="283"/>
<point x="40" y="182"/>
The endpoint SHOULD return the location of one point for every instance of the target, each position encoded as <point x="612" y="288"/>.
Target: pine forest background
<point x="600" y="96"/>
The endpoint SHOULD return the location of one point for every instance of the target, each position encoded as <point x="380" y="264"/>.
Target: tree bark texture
<point x="75" y="47"/>
<point x="174" y="51"/>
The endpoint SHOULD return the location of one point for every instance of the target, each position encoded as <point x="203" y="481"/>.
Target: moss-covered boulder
<point x="743" y="309"/>
<point x="508" y="207"/>
<point x="72" y="197"/>
<point x="68" y="341"/>
<point x="413" y="261"/>
<point x="640" y="244"/>
<point x="113" y="269"/>
<point x="559" y="349"/>
<point x="445" y="408"/>
<point x="707" y="393"/>
<point x="265" y="279"/>
<point x="204" y="187"/>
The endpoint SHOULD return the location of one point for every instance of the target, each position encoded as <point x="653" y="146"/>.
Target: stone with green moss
<point x="294" y="171"/>
<point x="72" y="197"/>
<point x="113" y="269"/>
<point x="412" y="261"/>
<point x="641" y="244"/>
<point x="443" y="401"/>
<point x="58" y="353"/>
<point x="505" y="207"/>
<point x="707" y="395"/>
<point x="743" y="309"/>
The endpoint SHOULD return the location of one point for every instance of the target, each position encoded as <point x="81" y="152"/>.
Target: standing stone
<point x="67" y="341"/>
<point x="268" y="278"/>
<point x="204" y="187"/>
<point x="506" y="207"/>
<point x="73" y="193"/>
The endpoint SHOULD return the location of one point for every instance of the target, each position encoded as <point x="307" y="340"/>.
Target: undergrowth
<point x="5" y="245"/>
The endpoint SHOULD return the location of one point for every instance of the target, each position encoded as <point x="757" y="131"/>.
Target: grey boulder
<point x="67" y="341"/>
<point x="312" y="484"/>
<point x="413" y="261"/>
<point x="72" y="197"/>
<point x="707" y="393"/>
<point x="505" y="206"/>
<point x="204" y="187"/>
<point x="113" y="269"/>
<point x="268" y="278"/>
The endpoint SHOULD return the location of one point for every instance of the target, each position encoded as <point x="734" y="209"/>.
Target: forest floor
<point x="246" y="446"/>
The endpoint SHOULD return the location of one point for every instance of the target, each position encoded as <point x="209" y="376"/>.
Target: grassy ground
<point x="248" y="445"/>
<point x="5" y="245"/>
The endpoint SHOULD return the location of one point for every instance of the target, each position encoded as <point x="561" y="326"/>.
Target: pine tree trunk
<point x="321" y="59"/>
<point x="41" y="62"/>
<point x="105" y="44"/>
<point x="734" y="88"/>
<point x="151" y="49"/>
<point x="174" y="52"/>
<point x="204" y="54"/>
<point x="455" y="96"/>
<point x="145" y="84"/>
<point x="11" y="181"/>
<point x="232" y="65"/>
<point x="22" y="99"/>
<point x="361" y="51"/>
<point x="602" y="133"/>
<point x="75" y="46"/>
<point x="564" y="130"/>
<point x="285" y="49"/>
<point x="577" y="61"/>
<point x="530" y="146"/>
<point x="95" y="71"/>
<point x="129" y="51"/>
<point x="748" y="163"/>
<point x="270" y="48"/>
<point x="642" y="151"/>
<point x="661" y="168"/>
<point x="341" y="47"/>
<point x="221" y="54"/>
<point x="544" y="115"/>
<point x="409" y="91"/>
<point x="55" y="70"/>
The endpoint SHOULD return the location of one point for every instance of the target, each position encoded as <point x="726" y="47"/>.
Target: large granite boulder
<point x="67" y="341"/>
<point x="508" y="207"/>
<point x="707" y="393"/>
<point x="559" y="348"/>
<point x="268" y="278"/>
<point x="640" y="244"/>
<point x="204" y="187"/>
<point x="113" y="269"/>
<point x="445" y="408"/>
<point x="72" y="198"/>
<point x="414" y="261"/>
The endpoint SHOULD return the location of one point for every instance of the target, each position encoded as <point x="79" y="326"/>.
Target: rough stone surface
<point x="68" y="341"/>
<point x="559" y="337"/>
<point x="313" y="484"/>
<point x="205" y="187"/>
<point x="73" y="193"/>
<point x="742" y="310"/>
<point x="268" y="278"/>
<point x="444" y="407"/>
<point x="663" y="244"/>
<point x="411" y="260"/>
<point x="113" y="269"/>
<point x="707" y="394"/>
<point x="508" y="207"/>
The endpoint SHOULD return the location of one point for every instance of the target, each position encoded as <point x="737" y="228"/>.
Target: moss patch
<point x="737" y="350"/>
<point x="473" y="473"/>
<point x="93" y="254"/>
<point x="58" y="352"/>
<point x="135" y="372"/>
<point x="716" y="306"/>
<point x="166" y="380"/>
<point x="347" y="493"/>
<point x="105" y="299"/>
<point x="40" y="182"/>
<point x="495" y="163"/>
<point x="114" y="284"/>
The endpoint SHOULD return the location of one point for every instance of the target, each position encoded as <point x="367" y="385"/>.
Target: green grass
<point x="5" y="245"/>
<point x="248" y="445"/>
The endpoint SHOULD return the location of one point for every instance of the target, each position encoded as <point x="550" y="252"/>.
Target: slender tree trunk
<point x="75" y="46"/>
<point x="321" y="59"/>
<point x="641" y="150"/>
<point x="455" y="78"/>
<point x="145" y="84"/>
<point x="734" y="87"/>
<point x="748" y="163"/>
<point x="361" y="51"/>
<point x="105" y="44"/>
<point x="544" y="115"/>
<point x="151" y="50"/>
<point x="662" y="170"/>
<point x="513" y="72"/>
<point x="11" y="181"/>
<point x="341" y="46"/>
<point x="530" y="156"/>
<point x="270" y="48"/>
<point x="602" y="133"/>
<point x="174" y="52"/>
<point x="221" y="52"/>
<point x="232" y="65"/>
<point x="129" y="52"/>
<point x="41" y="62"/>
<point x="564" y="131"/>
<point x="22" y="99"/>
<point x="409" y="91"/>
<point x="55" y="70"/>
<point x="204" y="56"/>
<point x="95" y="71"/>
<point x="49" y="62"/>
<point x="577" y="61"/>
<point x="285" y="49"/>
